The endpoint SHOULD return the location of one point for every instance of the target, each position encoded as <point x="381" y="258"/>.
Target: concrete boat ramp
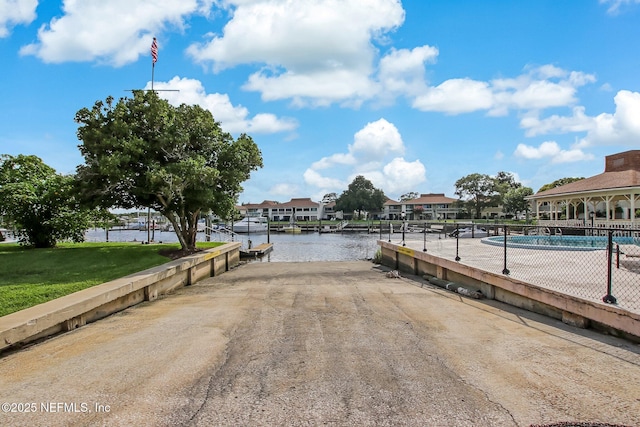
<point x="333" y="343"/>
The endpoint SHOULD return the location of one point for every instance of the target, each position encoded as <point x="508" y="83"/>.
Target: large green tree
<point x="40" y="203"/>
<point x="558" y="183"/>
<point x="409" y="196"/>
<point x="514" y="201"/>
<point x="144" y="152"/>
<point x="360" y="196"/>
<point x="478" y="191"/>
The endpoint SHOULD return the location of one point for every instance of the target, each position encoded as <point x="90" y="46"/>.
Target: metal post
<point x="608" y="298"/>
<point x="390" y="231"/>
<point x="425" y="237"/>
<point x="457" y="241"/>
<point x="505" y="270"/>
<point x="268" y="231"/>
<point x="380" y="228"/>
<point x="403" y="229"/>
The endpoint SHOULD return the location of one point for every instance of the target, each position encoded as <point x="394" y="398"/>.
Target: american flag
<point x="154" y="50"/>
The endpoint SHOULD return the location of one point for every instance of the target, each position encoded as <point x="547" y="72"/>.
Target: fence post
<point x="608" y="298"/>
<point x="424" y="232"/>
<point x="457" y="241"/>
<point x="505" y="270"/>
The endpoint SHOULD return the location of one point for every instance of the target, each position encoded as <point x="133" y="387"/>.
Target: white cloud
<point x="374" y="155"/>
<point x="314" y="179"/>
<point x="402" y="71"/>
<point x="100" y="30"/>
<point x="376" y="140"/>
<point x="578" y="122"/>
<point x="615" y="5"/>
<point x="543" y="87"/>
<point x="539" y="88"/>
<point x="400" y="175"/>
<point x="316" y="51"/>
<point x="334" y="159"/>
<point x="232" y="118"/>
<point x="551" y="150"/>
<point x="621" y="127"/>
<point x="456" y="96"/>
<point x="14" y="12"/>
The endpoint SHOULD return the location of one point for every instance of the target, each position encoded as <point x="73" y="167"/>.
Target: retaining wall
<point x="77" y="309"/>
<point x="571" y="310"/>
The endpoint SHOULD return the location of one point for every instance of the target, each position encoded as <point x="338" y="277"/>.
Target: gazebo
<point x="609" y="199"/>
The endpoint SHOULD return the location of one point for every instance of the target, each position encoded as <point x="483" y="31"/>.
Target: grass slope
<point x="32" y="276"/>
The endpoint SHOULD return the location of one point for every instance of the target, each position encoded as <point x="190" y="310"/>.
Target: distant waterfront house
<point x="392" y="209"/>
<point x="430" y="206"/>
<point x="608" y="199"/>
<point x="301" y="209"/>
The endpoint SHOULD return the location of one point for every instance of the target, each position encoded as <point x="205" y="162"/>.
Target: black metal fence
<point x="597" y="264"/>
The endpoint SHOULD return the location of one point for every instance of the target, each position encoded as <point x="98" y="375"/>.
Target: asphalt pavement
<point x="321" y="343"/>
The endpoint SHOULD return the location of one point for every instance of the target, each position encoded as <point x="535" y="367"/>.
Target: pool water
<point x="560" y="242"/>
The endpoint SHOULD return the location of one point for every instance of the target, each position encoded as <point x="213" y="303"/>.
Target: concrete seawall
<point x="570" y="309"/>
<point x="86" y="306"/>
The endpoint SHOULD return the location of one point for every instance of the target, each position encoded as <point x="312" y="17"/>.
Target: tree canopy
<point x="479" y="191"/>
<point x="558" y="183"/>
<point x="40" y="203"/>
<point x="144" y="152"/>
<point x="514" y="201"/>
<point x="360" y="196"/>
<point x="409" y="196"/>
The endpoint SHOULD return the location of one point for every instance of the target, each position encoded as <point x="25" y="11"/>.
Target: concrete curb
<point x="77" y="309"/>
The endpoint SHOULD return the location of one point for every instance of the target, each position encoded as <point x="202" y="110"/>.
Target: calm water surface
<point x="301" y="247"/>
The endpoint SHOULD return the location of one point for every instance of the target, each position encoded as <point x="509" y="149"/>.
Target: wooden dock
<point x="257" y="251"/>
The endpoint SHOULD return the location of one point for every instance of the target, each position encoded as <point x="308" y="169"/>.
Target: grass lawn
<point x="32" y="276"/>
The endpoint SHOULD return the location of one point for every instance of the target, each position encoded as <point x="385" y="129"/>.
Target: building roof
<point x="300" y="203"/>
<point x="622" y="170"/>
<point x="431" y="198"/>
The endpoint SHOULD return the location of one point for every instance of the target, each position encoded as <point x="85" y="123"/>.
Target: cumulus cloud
<point x="621" y="127"/>
<point x="578" y="122"/>
<point x="14" y="12"/>
<point x="99" y="30"/>
<point x="375" y="154"/>
<point x="317" y="51"/>
<point x="552" y="151"/>
<point x="456" y="96"/>
<point x="232" y="118"/>
<point x="402" y="71"/>
<point x="539" y="88"/>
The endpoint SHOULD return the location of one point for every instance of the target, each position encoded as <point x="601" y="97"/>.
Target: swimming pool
<point x="560" y="242"/>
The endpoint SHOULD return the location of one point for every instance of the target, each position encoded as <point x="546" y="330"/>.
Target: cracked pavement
<point x="323" y="343"/>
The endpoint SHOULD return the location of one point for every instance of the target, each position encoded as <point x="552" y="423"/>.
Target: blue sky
<point x="413" y="95"/>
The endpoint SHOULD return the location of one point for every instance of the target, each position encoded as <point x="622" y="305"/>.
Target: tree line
<point x="476" y="192"/>
<point x="138" y="152"/>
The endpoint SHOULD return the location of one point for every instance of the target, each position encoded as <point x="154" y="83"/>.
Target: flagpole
<point x="154" y="58"/>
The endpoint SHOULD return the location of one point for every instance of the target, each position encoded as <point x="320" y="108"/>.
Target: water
<point x="303" y="247"/>
<point x="559" y="242"/>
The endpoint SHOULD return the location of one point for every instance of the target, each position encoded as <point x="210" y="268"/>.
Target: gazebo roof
<point x="622" y="170"/>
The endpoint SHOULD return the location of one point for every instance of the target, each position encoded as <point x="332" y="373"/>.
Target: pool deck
<point x="578" y="273"/>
